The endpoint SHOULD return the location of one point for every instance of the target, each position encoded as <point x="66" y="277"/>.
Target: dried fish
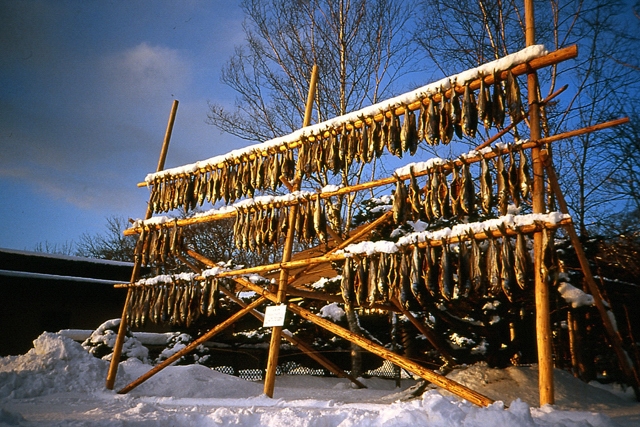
<point x="372" y="283"/>
<point x="446" y="125"/>
<point x="418" y="287"/>
<point x="443" y="194"/>
<point x="432" y="130"/>
<point x="430" y="272"/>
<point x="502" y="179"/>
<point x="414" y="196"/>
<point x="347" y="282"/>
<point x="507" y="272"/>
<point x="493" y="265"/>
<point x="463" y="284"/>
<point x="514" y="184"/>
<point x="468" y="191"/>
<point x="404" y="291"/>
<point x="455" y="192"/>
<point x="484" y="104"/>
<point x="522" y="262"/>
<point x="399" y="201"/>
<point x="456" y="111"/>
<point x="497" y="103"/>
<point x="382" y="283"/>
<point x="362" y="282"/>
<point x="486" y="187"/>
<point x="524" y="177"/>
<point x="320" y="220"/>
<point x="469" y="118"/>
<point x="514" y="101"/>
<point x="446" y="272"/>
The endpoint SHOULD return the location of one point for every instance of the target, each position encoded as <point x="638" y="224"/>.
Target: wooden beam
<point x="194" y="344"/>
<point x="411" y="366"/>
<point x="122" y="328"/>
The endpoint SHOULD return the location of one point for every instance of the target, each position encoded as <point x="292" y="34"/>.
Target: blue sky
<point x="86" y="88"/>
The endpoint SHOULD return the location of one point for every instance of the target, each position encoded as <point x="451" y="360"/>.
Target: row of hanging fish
<point x="452" y="193"/>
<point x="437" y="122"/>
<point x="156" y="245"/>
<point x="419" y="276"/>
<point x="230" y="183"/>
<point x="180" y="302"/>
<point x="258" y="226"/>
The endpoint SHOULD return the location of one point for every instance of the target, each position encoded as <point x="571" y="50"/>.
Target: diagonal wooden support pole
<point x="203" y="338"/>
<point x="306" y="348"/>
<point x="411" y="366"/>
<point x="614" y="335"/>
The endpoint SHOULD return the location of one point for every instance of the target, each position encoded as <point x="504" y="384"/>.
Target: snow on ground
<point x="57" y="383"/>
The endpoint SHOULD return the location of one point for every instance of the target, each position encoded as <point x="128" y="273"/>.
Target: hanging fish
<point x="426" y="204"/>
<point x="469" y="118"/>
<point x="399" y="201"/>
<point x="484" y="104"/>
<point x="435" y="198"/>
<point x="497" y="103"/>
<point x="214" y="296"/>
<point x="347" y="282"/>
<point x="507" y="272"/>
<point x="362" y="282"/>
<point x="522" y="262"/>
<point x="204" y="296"/>
<point x="372" y="283"/>
<point x="514" y="183"/>
<point x="394" y="135"/>
<point x="446" y="272"/>
<point x="455" y="191"/>
<point x="376" y="137"/>
<point x="383" y="275"/>
<point x="432" y="133"/>
<point x="443" y="194"/>
<point x="406" y="133"/>
<point x="422" y="122"/>
<point x="486" y="187"/>
<point x="414" y="196"/>
<point x="446" y="125"/>
<point x="430" y="270"/>
<point x="320" y="220"/>
<point x="413" y="134"/>
<point x="456" y="111"/>
<point x="468" y="191"/>
<point x="463" y="284"/>
<point x="502" y="179"/>
<point x="514" y="101"/>
<point x="524" y="177"/>
<point x="403" y="291"/>
<point x="165" y="313"/>
<point x="493" y="265"/>
<point x="418" y="287"/>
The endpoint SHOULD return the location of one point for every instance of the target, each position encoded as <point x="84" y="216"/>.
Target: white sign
<point x="274" y="315"/>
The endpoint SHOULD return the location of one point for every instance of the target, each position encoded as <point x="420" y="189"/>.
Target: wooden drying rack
<point x="278" y="296"/>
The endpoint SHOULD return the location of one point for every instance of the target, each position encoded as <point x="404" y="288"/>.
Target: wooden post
<point x="274" y="346"/>
<point x="543" y="317"/>
<point x="122" y="328"/>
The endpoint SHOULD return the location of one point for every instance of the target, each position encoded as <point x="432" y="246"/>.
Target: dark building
<point x="45" y="292"/>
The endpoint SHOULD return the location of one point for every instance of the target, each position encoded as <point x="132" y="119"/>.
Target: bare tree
<point x="465" y="33"/>
<point x="113" y="245"/>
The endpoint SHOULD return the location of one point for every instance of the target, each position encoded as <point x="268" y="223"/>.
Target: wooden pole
<point x="122" y="328"/>
<point x="202" y="339"/>
<point x="614" y="335"/>
<point x="274" y="346"/>
<point x="543" y="317"/>
<point x="427" y="374"/>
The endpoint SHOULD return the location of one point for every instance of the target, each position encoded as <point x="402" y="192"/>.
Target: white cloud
<point x="146" y="71"/>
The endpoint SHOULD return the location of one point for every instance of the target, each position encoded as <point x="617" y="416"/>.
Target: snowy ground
<point x="58" y="383"/>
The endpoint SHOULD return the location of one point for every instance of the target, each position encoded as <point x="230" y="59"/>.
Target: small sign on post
<point x="274" y="316"/>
